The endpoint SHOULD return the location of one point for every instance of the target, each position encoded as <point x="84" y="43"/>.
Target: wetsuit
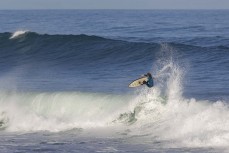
<point x="149" y="82"/>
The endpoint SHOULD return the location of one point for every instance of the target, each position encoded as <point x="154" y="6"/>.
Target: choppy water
<point x="65" y="74"/>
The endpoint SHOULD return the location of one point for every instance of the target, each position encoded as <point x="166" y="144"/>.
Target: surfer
<point x="146" y="79"/>
<point x="149" y="81"/>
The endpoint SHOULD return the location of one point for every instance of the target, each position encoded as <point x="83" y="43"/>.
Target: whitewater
<point x="66" y="89"/>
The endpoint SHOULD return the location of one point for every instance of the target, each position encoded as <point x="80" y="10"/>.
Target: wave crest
<point x="18" y="34"/>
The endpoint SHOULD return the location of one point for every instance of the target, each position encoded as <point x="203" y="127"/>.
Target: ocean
<point x="64" y="77"/>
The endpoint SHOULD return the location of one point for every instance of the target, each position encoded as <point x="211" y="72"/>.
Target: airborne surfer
<point x="149" y="82"/>
<point x="146" y="79"/>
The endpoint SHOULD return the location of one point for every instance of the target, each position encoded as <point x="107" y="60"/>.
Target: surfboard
<point x="138" y="82"/>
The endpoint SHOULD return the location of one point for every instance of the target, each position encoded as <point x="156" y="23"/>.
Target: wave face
<point x="42" y="62"/>
<point x="32" y="59"/>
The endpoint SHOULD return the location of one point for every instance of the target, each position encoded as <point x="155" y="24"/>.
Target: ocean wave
<point x="33" y="59"/>
<point x="35" y="48"/>
<point x="159" y="114"/>
<point x="59" y="111"/>
<point x="77" y="48"/>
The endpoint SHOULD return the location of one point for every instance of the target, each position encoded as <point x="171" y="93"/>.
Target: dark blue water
<point x="113" y="47"/>
<point x="62" y="64"/>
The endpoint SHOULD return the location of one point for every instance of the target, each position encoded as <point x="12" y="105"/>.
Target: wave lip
<point x="18" y="33"/>
<point x="59" y="111"/>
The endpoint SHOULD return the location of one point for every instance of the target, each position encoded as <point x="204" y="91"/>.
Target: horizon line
<point x="14" y="9"/>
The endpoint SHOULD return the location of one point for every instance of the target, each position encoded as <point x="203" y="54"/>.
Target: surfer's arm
<point x="144" y="82"/>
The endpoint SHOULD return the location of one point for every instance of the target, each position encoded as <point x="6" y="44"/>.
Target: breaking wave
<point x="160" y="114"/>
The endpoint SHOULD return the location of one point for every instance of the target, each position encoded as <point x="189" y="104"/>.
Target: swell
<point x="57" y="62"/>
<point x="29" y="47"/>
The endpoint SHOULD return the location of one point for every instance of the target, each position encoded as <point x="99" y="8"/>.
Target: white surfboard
<point x="138" y="82"/>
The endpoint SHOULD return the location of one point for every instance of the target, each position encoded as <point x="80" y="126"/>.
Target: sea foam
<point x="18" y="33"/>
<point x="167" y="116"/>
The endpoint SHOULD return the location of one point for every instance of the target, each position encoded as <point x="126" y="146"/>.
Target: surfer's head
<point x="149" y="74"/>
